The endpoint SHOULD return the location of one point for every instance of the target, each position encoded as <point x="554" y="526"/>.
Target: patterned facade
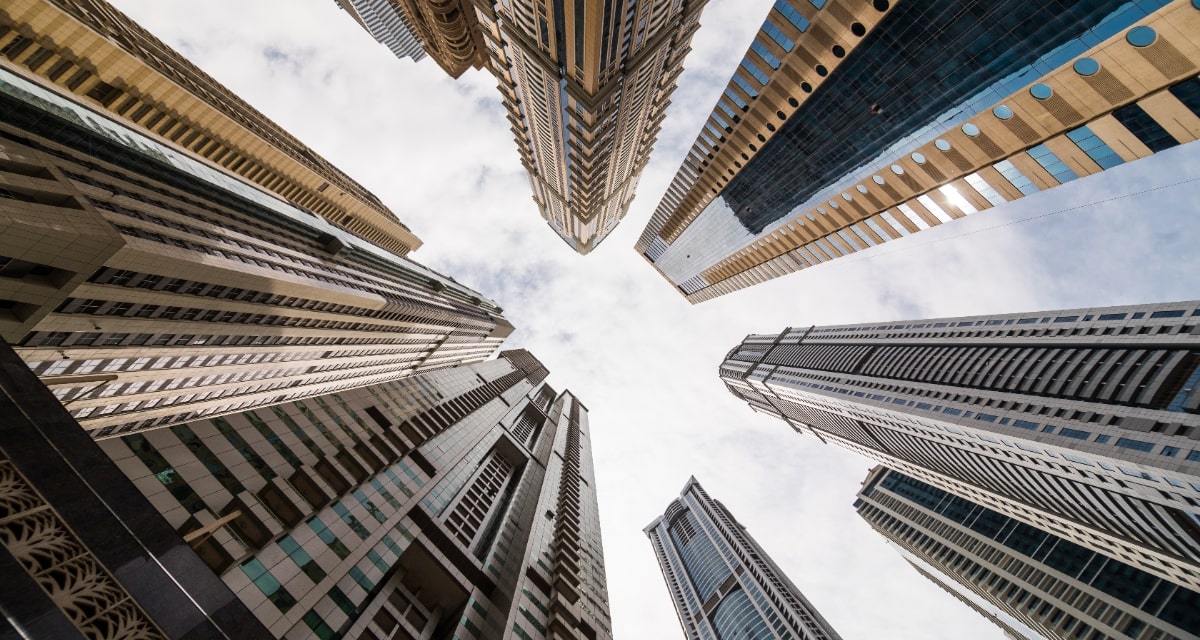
<point x="458" y="502"/>
<point x="88" y="49"/>
<point x="1044" y="581"/>
<point x="83" y="555"/>
<point x="387" y="24"/>
<point x="586" y="85"/>
<point x="723" y="584"/>
<point x="1083" y="422"/>
<point x="147" y="287"/>
<point x="850" y="123"/>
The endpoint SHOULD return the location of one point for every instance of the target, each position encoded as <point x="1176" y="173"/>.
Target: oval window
<point x="847" y="197"/>
<point x="877" y="179"/>
<point x="897" y="169"/>
<point x="942" y="145"/>
<point x="820" y="210"/>
<point x="1002" y="112"/>
<point x="1086" y="67"/>
<point x="862" y="189"/>
<point x="833" y="203"/>
<point x="918" y="158"/>
<point x="970" y="129"/>
<point x="1142" y="36"/>
<point x="1041" y="91"/>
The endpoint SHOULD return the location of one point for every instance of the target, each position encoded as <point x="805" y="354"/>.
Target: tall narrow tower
<point x="849" y="123"/>
<point x="722" y="583"/>
<point x="586" y="85"/>
<point x="1079" y="421"/>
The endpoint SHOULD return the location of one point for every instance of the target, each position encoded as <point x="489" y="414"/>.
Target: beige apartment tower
<point x="586" y="85"/>
<point x="146" y="286"/>
<point x="850" y="123"/>
<point x="90" y="50"/>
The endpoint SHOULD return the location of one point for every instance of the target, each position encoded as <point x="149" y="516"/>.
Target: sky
<point x="439" y="152"/>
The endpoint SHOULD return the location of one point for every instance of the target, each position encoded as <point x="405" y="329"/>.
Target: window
<point x="1145" y="128"/>
<point x="783" y="41"/>
<point x="1095" y="148"/>
<point x="765" y="54"/>
<point x="1052" y="164"/>
<point x="1136" y="445"/>
<point x="301" y="558"/>
<point x="268" y="585"/>
<point x="793" y="16"/>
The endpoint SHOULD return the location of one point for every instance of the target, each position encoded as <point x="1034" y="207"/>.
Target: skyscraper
<point x="83" y="555"/>
<point x="387" y="24"/>
<point x="89" y="50"/>
<point x="149" y="287"/>
<point x="1040" y="578"/>
<point x="457" y="502"/>
<point x="1082" y="422"/>
<point x="392" y="510"/>
<point x="722" y="583"/>
<point x="586" y="85"/>
<point x="851" y="123"/>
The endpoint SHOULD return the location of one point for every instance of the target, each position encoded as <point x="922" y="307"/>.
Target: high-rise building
<point x="461" y="500"/>
<point x="722" y="583"/>
<point x="88" y="49"/>
<point x="387" y="24"/>
<point x="148" y="287"/>
<point x="853" y="122"/>
<point x="1081" y="422"/>
<point x="586" y="85"/>
<point x="1035" y="576"/>
<point x="83" y="555"/>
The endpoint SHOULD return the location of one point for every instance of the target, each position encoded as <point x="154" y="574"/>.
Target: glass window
<point x="1136" y="445"/>
<point x="1052" y="164"/>
<point x="745" y="85"/>
<point x="1094" y="147"/>
<point x="268" y="585"/>
<point x="749" y="66"/>
<point x="793" y="16"/>
<point x="1145" y="128"/>
<point x="783" y="41"/>
<point x="301" y="558"/>
<point x="765" y="54"/>
<point x="327" y="536"/>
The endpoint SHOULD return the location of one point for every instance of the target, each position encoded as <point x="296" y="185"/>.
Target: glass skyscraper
<point x="725" y="586"/>
<point x="1032" y="576"/>
<point x="848" y="124"/>
<point x="1083" y="421"/>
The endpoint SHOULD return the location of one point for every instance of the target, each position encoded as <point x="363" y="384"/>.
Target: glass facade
<point x="722" y="583"/>
<point x="927" y="65"/>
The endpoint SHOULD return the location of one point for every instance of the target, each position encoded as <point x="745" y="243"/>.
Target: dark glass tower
<point x="1041" y="579"/>
<point x="722" y="583"/>
<point x="848" y="124"/>
<point x="1081" y="421"/>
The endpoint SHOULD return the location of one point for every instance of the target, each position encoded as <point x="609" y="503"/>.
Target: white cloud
<point x="439" y="152"/>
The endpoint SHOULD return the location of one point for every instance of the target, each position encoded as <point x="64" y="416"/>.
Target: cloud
<point x="440" y="153"/>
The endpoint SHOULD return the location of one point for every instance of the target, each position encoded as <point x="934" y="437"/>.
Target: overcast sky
<point x="439" y="152"/>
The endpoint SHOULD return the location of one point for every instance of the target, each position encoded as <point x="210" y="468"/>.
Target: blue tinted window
<point x="1141" y="125"/>
<point x="1052" y="164"/>
<point x="1188" y="92"/>
<point x="1095" y="148"/>
<point x="1075" y="433"/>
<point x="732" y="95"/>
<point x="745" y="85"/>
<point x="777" y="35"/>
<point x="749" y="66"/>
<point x="1102" y="439"/>
<point x="792" y="15"/>
<point x="765" y="54"/>
<point x="1136" y="445"/>
<point x="1014" y="176"/>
